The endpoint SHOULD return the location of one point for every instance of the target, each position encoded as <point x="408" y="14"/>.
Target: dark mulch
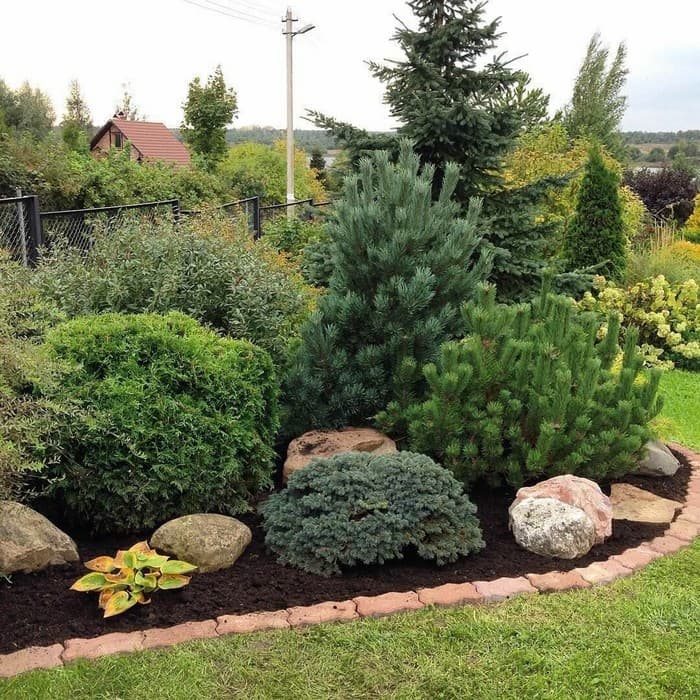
<point x="38" y="609"/>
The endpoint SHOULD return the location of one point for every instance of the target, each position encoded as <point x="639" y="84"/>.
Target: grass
<point x="636" y="639"/>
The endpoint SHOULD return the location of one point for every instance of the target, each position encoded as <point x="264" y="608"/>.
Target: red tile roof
<point x="152" y="139"/>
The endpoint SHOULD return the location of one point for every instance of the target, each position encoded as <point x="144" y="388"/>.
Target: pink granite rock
<point x="583" y="494"/>
<point x="326" y="443"/>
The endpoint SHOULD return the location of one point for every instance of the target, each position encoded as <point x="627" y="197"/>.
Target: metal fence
<point x="20" y="228"/>
<point x="25" y="229"/>
<point x="77" y="228"/>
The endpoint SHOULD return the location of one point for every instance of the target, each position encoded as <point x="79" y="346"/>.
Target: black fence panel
<point x="20" y="228"/>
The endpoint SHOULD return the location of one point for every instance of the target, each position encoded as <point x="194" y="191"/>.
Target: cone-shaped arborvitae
<point x="531" y="393"/>
<point x="403" y="266"/>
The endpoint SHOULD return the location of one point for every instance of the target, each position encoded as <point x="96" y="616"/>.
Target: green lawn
<point x="636" y="639"/>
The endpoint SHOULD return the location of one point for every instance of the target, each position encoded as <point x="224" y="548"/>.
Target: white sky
<point x="157" y="46"/>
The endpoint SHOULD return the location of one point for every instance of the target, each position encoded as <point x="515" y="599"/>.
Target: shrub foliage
<point x="209" y="271"/>
<point x="402" y="265"/>
<point x="530" y="393"/>
<point x="665" y="316"/>
<point x="172" y="420"/>
<point x="357" y="508"/>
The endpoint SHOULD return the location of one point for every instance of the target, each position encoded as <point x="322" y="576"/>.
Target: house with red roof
<point x="148" y="140"/>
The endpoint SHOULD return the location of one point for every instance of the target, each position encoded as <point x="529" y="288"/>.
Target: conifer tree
<point x="77" y="121"/>
<point x="403" y="265"/>
<point x="595" y="235"/>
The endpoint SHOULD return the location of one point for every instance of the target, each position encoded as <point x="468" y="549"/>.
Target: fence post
<point x="257" y="222"/>
<point x="36" y="230"/>
<point x="176" y="210"/>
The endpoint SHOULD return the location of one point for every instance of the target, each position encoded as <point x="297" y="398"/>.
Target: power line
<point x="244" y="18"/>
<point x="252" y="13"/>
<point x="254" y="7"/>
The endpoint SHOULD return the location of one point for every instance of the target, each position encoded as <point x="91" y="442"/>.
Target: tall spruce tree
<point x="595" y="235"/>
<point x="403" y="265"/>
<point x="459" y="103"/>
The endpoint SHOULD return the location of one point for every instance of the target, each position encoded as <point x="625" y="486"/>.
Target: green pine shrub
<point x="402" y="266"/>
<point x="596" y="234"/>
<point x="172" y="419"/>
<point x="665" y="317"/>
<point x="357" y="508"/>
<point x="205" y="268"/>
<point x="529" y="393"/>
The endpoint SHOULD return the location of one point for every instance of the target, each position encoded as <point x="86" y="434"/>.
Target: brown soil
<point x="38" y="609"/>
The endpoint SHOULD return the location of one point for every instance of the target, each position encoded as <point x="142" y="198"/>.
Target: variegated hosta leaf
<point x="141" y="599"/>
<point x="105" y="595"/>
<point x="149" y="581"/>
<point x="118" y="603"/>
<point x="175" y="566"/>
<point x="151" y="561"/>
<point x="90" y="582"/>
<point x="169" y="581"/>
<point x="119" y="559"/>
<point x="141" y="547"/>
<point x="103" y="564"/>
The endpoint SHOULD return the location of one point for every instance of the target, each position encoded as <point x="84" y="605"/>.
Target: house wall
<point x="108" y="141"/>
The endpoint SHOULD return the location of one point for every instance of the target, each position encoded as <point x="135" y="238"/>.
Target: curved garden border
<point x="679" y="535"/>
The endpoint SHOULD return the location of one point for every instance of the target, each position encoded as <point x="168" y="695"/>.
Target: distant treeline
<point x="308" y="139"/>
<point x="641" y="137"/>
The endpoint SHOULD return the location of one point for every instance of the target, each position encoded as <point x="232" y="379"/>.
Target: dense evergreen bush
<point x="173" y="420"/>
<point x="596" y="236"/>
<point x="208" y="270"/>
<point x="530" y="393"/>
<point x="357" y="508"/>
<point x="402" y="265"/>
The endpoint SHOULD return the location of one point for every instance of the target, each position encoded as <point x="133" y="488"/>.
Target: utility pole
<point x="290" y="34"/>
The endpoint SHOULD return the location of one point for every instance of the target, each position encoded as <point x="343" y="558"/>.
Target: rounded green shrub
<point x="170" y="419"/>
<point x="357" y="508"/>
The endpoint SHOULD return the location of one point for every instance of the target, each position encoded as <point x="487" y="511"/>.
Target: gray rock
<point x="29" y="542"/>
<point x="659" y="461"/>
<point x="209" y="541"/>
<point x="551" y="528"/>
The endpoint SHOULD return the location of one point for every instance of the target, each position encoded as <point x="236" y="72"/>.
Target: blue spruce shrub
<point x="358" y="508"/>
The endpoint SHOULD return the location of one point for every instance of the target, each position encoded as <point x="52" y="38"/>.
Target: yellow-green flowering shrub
<point x="666" y="315"/>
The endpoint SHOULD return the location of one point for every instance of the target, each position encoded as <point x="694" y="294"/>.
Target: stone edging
<point x="679" y="535"/>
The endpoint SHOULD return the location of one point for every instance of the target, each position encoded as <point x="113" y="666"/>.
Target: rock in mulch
<point x="578" y="492"/>
<point x="209" y="541"/>
<point x="638" y="505"/>
<point x="659" y="461"/>
<point x="551" y="528"/>
<point x="29" y="542"/>
<point x="326" y="443"/>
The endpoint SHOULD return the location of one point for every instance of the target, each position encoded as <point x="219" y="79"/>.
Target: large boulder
<point x="29" y="542"/>
<point x="550" y="528"/>
<point x="638" y="505"/>
<point x="209" y="541"/>
<point x="325" y="443"/>
<point x="578" y="492"/>
<point x="658" y="461"/>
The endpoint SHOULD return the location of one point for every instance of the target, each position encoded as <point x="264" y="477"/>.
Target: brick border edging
<point x="680" y="534"/>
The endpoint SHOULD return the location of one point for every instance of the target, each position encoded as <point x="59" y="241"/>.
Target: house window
<point x="117" y="140"/>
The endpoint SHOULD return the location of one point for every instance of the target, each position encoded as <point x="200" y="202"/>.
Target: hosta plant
<point x="131" y="577"/>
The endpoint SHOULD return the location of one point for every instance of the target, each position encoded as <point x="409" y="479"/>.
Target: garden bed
<point x="38" y="609"/>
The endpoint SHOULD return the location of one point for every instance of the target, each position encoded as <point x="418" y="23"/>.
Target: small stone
<point x="690" y="513"/>
<point x="635" y="558"/>
<point x="557" y="581"/>
<point x="252" y="622"/>
<point x="450" y="594"/>
<point x="658" y="461"/>
<point x="387" y="604"/>
<point x="209" y="541"/>
<point x="29" y="542"/>
<point x="156" y="638"/>
<point x="551" y="528"/>
<point x="326" y="443"/>
<point x="503" y="588"/>
<point x="603" y="572"/>
<point x="113" y="643"/>
<point x="638" y="505"/>
<point x="30" y="659"/>
<point x="322" y="613"/>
